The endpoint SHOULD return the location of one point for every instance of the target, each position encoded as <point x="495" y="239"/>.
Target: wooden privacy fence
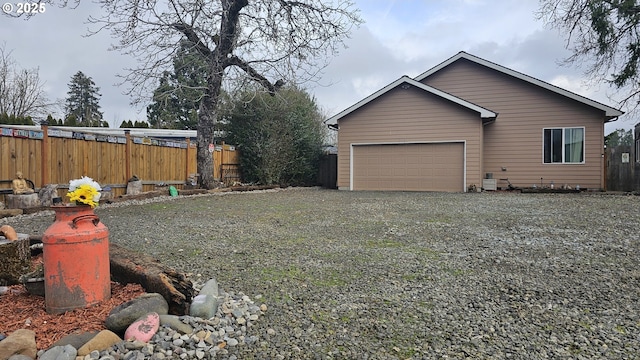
<point x="623" y="169"/>
<point x="54" y="156"/>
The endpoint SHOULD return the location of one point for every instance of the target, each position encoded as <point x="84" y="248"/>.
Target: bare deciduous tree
<point x="267" y="41"/>
<point x="270" y="42"/>
<point x="21" y="90"/>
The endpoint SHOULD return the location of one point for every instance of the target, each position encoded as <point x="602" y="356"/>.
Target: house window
<point x="637" y="150"/>
<point x="563" y="146"/>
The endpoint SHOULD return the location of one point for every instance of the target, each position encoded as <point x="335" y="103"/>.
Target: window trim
<point x="563" y="162"/>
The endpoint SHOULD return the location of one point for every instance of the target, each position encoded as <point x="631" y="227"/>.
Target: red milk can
<point x="76" y="260"/>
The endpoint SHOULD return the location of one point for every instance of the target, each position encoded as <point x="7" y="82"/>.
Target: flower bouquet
<point x="84" y="191"/>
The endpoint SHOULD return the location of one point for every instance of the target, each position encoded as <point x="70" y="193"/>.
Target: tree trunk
<point x="131" y="267"/>
<point x="206" y="122"/>
<point x="219" y="58"/>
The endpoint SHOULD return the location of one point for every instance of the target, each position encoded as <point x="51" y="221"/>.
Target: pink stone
<point x="144" y="328"/>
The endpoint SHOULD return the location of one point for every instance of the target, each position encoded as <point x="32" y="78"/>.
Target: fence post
<point x="186" y="160"/>
<point x="44" y="155"/>
<point x="127" y="155"/>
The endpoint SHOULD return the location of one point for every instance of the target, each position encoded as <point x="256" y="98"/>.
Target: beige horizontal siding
<point x="514" y="141"/>
<point x="410" y="116"/>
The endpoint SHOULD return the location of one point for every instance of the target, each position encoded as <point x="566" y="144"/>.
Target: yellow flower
<point x="84" y="194"/>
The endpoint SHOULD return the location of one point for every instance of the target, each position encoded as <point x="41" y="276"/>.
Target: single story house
<point x="467" y="120"/>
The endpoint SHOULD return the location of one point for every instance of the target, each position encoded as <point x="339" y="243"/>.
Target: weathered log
<point x="192" y="191"/>
<point x="10" y="212"/>
<point x="254" y="187"/>
<point x="131" y="267"/>
<point x="15" y="259"/>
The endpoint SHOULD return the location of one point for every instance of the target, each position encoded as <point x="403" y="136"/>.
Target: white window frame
<point x="564" y="162"/>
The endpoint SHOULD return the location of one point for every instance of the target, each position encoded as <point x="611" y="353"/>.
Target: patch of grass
<point x="330" y="278"/>
<point x="586" y="325"/>
<point x="383" y="244"/>
<point x="160" y="206"/>
<point x="427" y="253"/>
<point x="279" y="274"/>
<point x="455" y="272"/>
<point x="620" y="329"/>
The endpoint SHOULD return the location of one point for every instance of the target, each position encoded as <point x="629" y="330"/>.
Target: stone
<point x="204" y="306"/>
<point x="144" y="328"/>
<point x="232" y="342"/>
<point x="102" y="341"/>
<point x="76" y="340"/>
<point x="134" y="345"/>
<point x="47" y="194"/>
<point x="125" y="314"/>
<point x="210" y="288"/>
<point x="66" y="352"/>
<point x="174" y="322"/>
<point x="20" y="357"/>
<point x="20" y="342"/>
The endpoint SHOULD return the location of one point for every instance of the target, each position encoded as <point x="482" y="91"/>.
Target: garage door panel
<point x="409" y="167"/>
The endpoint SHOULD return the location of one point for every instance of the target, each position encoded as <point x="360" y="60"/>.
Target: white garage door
<point x="409" y="167"/>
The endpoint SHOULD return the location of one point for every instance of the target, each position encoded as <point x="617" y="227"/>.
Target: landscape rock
<point x="75" y="340"/>
<point x="205" y="304"/>
<point x="174" y="322"/>
<point x="20" y="342"/>
<point x="20" y="357"/>
<point x="144" y="328"/>
<point x="102" y="341"/>
<point x="210" y="288"/>
<point x="125" y="314"/>
<point x="47" y="194"/>
<point x="66" y="352"/>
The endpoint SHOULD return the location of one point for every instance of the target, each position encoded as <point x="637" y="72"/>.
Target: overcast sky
<point x="401" y="37"/>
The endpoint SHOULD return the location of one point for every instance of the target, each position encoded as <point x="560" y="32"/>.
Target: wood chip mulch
<point x="21" y="310"/>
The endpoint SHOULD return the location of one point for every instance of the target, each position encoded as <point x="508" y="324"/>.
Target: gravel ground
<point x="370" y="275"/>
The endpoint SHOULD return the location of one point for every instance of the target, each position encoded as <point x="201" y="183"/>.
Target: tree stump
<point x="15" y="259"/>
<point x="134" y="187"/>
<point x="22" y="201"/>
<point x="131" y="267"/>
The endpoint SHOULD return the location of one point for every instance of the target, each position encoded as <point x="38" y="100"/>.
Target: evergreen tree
<point x="603" y="37"/>
<point x="11" y="119"/>
<point x="83" y="102"/>
<point x="619" y="137"/>
<point x="280" y="137"/>
<point x="177" y="98"/>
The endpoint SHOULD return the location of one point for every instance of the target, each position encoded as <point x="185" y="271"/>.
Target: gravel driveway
<point x="393" y="275"/>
